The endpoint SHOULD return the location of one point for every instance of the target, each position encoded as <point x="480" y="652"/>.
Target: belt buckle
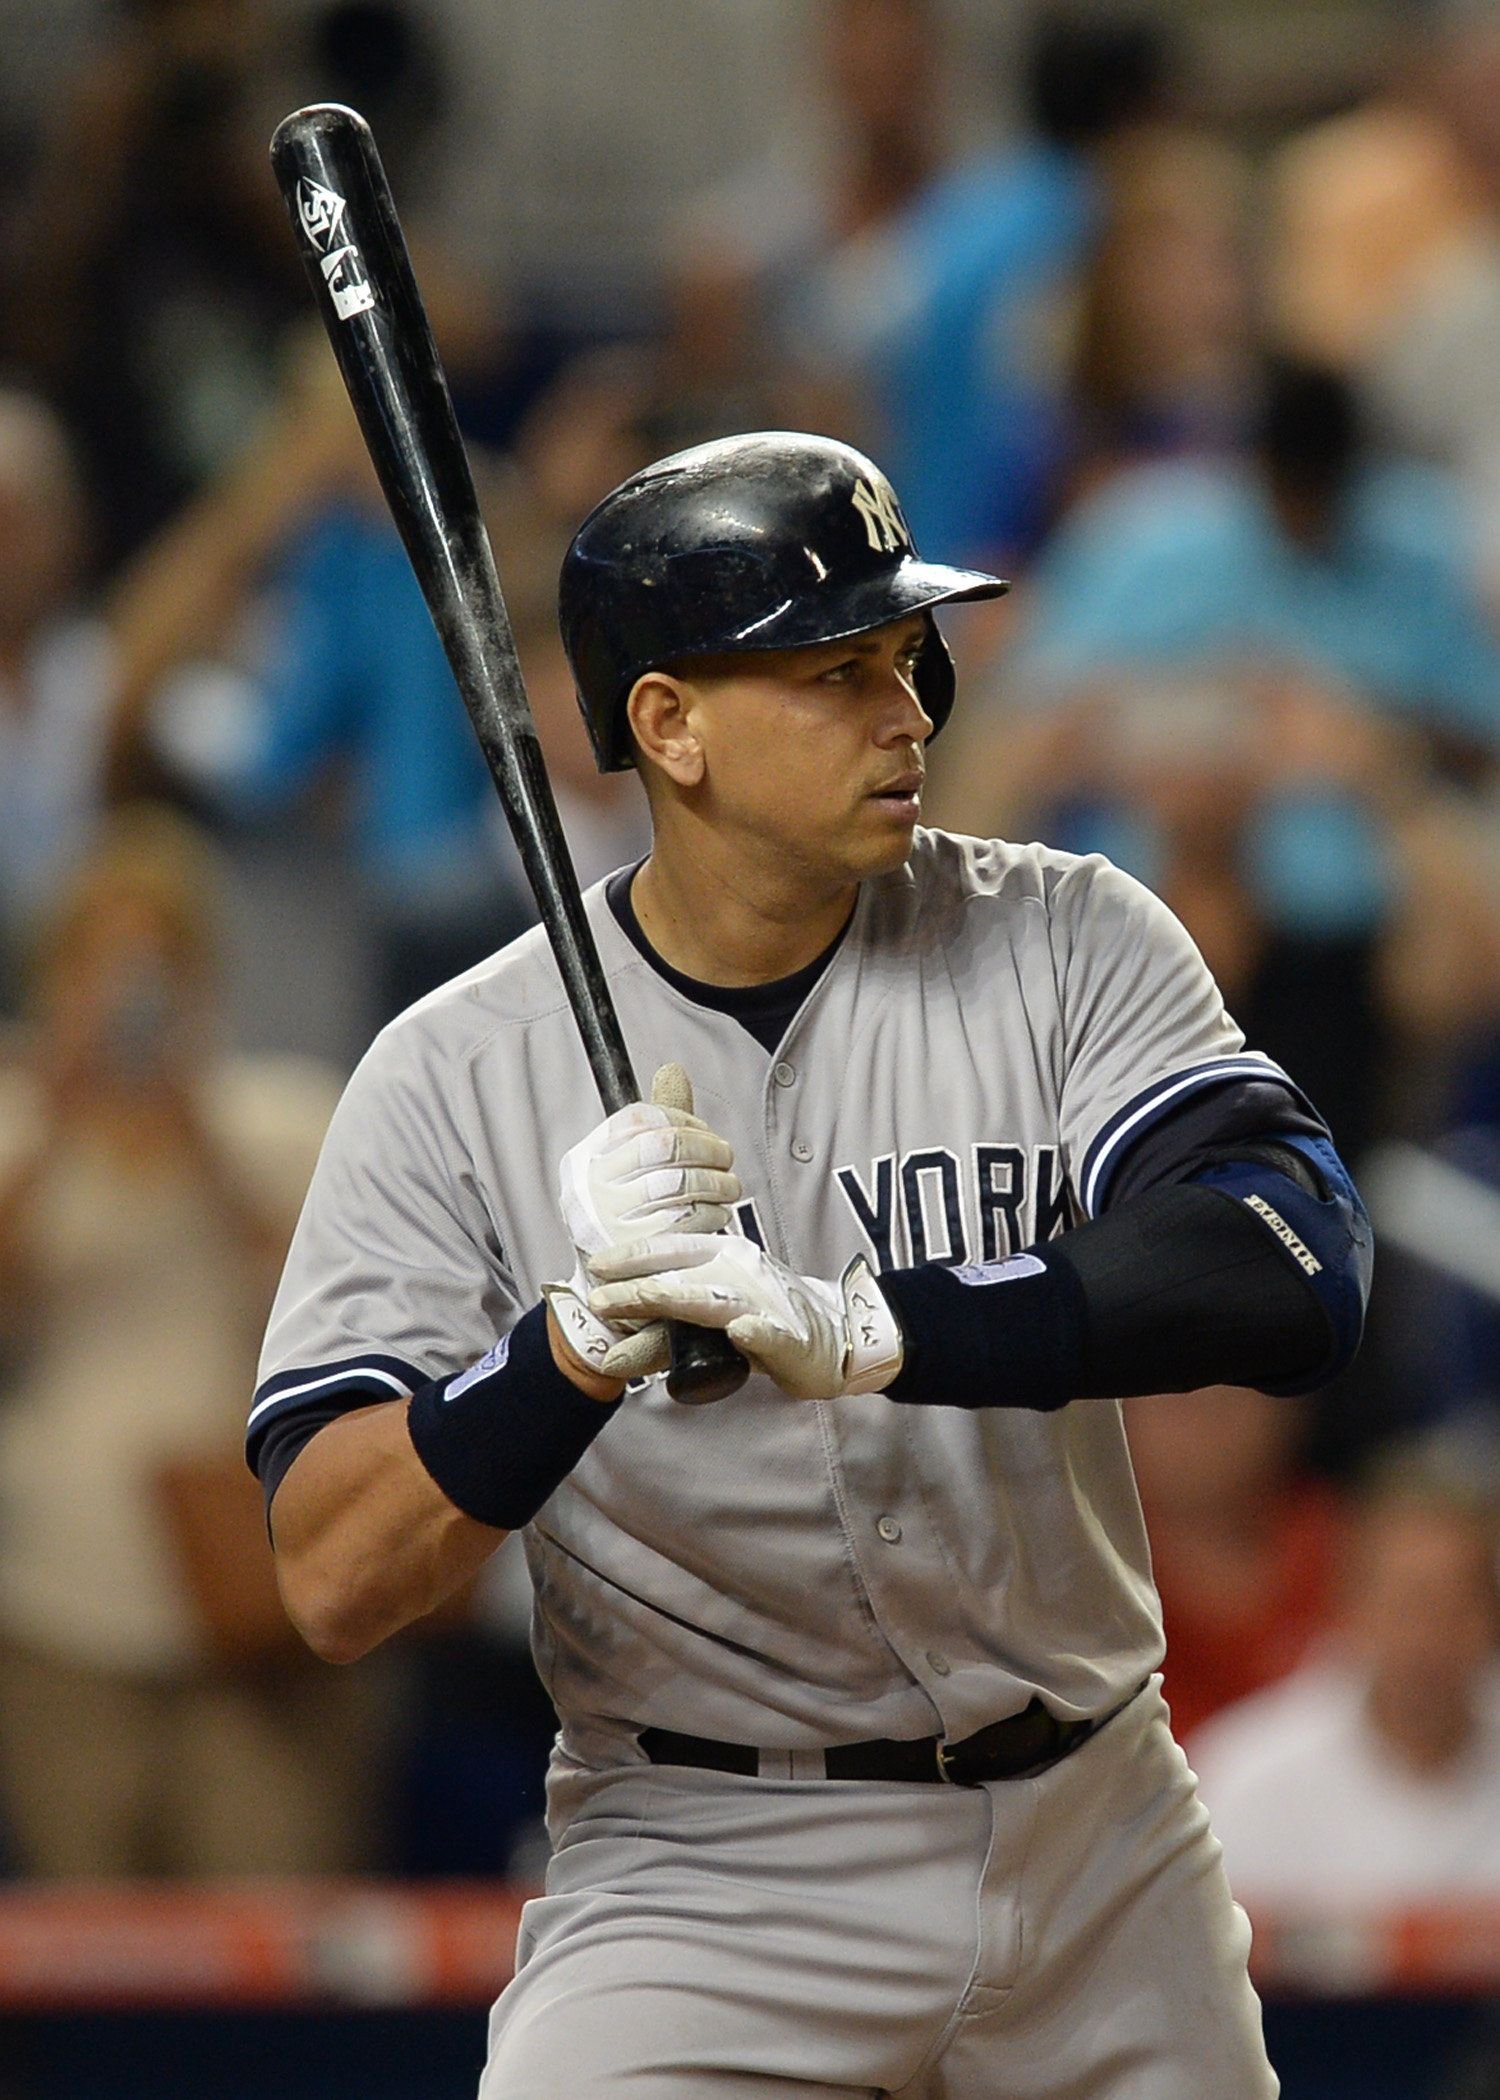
<point x="974" y="1760"/>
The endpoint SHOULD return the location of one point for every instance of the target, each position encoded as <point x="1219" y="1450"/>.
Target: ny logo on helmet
<point x="884" y="526"/>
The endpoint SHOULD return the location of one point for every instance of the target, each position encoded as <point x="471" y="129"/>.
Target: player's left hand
<point x="817" y="1340"/>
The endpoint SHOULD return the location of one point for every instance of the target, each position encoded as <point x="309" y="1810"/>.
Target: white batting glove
<point x="816" y="1340"/>
<point x="650" y="1169"/>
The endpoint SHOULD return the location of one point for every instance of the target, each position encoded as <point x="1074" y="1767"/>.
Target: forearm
<point x="389" y="1509"/>
<point x="1253" y="1269"/>
<point x="366" y="1542"/>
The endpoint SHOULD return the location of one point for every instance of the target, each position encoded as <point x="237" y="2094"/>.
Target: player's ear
<point x="661" y="716"/>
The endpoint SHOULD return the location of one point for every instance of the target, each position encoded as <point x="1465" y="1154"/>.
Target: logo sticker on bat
<point x="321" y="213"/>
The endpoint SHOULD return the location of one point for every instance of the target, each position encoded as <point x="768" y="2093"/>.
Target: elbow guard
<point x="1323" y="1227"/>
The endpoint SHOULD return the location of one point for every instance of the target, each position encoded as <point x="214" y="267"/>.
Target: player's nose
<point x="903" y="718"/>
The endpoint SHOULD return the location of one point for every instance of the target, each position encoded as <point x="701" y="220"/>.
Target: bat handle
<point x="705" y="1365"/>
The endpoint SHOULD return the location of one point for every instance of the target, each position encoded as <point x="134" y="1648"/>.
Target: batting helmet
<point x="771" y="541"/>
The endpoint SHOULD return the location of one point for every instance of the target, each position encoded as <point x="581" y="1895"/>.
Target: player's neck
<point x="723" y="926"/>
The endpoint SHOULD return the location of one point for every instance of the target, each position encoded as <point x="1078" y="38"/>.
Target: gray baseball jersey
<point x="998" y="1027"/>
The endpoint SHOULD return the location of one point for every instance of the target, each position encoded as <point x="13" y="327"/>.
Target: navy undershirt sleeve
<point x="1204" y="1128"/>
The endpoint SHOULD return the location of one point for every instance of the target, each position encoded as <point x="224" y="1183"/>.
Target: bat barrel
<point x="340" y="204"/>
<point x="342" y="212"/>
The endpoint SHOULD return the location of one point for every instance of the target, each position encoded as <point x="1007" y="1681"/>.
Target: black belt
<point x="1015" y="1748"/>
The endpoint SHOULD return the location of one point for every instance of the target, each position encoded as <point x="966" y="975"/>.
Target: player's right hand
<point x="650" y="1169"/>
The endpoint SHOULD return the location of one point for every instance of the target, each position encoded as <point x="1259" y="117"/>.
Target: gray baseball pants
<point x="710" y="1937"/>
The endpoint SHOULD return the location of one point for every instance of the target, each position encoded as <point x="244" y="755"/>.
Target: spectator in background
<point x="349" y="674"/>
<point x="154" y="268"/>
<point x="351" y="677"/>
<point x="1362" y="205"/>
<point x="1372" y="1775"/>
<point x="155" y="274"/>
<point x="709" y="371"/>
<point x="390" y="63"/>
<point x="937" y="289"/>
<point x="56" y="673"/>
<point x="1162" y="363"/>
<point x="1384" y="250"/>
<point x="965" y="333"/>
<point x="1244" y="1541"/>
<point x="156" y="1714"/>
<point x="1312" y="554"/>
<point x="755" y="259"/>
<point x="81" y="675"/>
<point x="355" y="678"/>
<point x="1239" y="680"/>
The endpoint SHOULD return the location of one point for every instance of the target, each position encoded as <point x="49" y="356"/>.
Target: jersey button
<point x="941" y="1667"/>
<point x="889" y="1530"/>
<point x="802" y="1150"/>
<point x="783" y="1073"/>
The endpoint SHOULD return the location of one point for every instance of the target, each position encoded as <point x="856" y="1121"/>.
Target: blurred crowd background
<point x="1186" y="317"/>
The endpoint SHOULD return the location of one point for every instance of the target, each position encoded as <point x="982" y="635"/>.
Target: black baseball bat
<point x="345" y="220"/>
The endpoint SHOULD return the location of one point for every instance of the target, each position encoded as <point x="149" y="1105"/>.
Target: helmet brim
<point x="906" y="587"/>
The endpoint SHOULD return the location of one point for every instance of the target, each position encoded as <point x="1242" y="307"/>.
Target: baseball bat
<point x="345" y="221"/>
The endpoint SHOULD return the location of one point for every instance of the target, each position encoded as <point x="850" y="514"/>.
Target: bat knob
<point x="706" y="1366"/>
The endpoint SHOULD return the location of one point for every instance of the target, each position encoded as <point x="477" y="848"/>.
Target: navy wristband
<point x="502" y="1436"/>
<point x="996" y="1334"/>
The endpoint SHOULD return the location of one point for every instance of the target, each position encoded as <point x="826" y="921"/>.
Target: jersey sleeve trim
<point x="373" y="1377"/>
<point x="1115" y="1137"/>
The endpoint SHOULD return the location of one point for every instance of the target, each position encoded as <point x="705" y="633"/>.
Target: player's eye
<point x="842" y="673"/>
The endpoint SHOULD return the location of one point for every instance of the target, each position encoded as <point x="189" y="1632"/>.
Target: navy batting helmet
<point x="771" y="541"/>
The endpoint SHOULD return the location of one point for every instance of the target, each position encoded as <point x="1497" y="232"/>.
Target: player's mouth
<point x="901" y="797"/>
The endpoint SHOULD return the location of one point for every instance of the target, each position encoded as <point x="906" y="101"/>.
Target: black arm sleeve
<point x="1185" y="1287"/>
<point x="1177" y="1285"/>
<point x="1181" y="1287"/>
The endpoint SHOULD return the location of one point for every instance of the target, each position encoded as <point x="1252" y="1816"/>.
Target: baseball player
<point x="864" y="1783"/>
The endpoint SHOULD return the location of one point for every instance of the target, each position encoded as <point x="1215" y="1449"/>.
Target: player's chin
<point x="893" y="817"/>
<point x="881" y="837"/>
